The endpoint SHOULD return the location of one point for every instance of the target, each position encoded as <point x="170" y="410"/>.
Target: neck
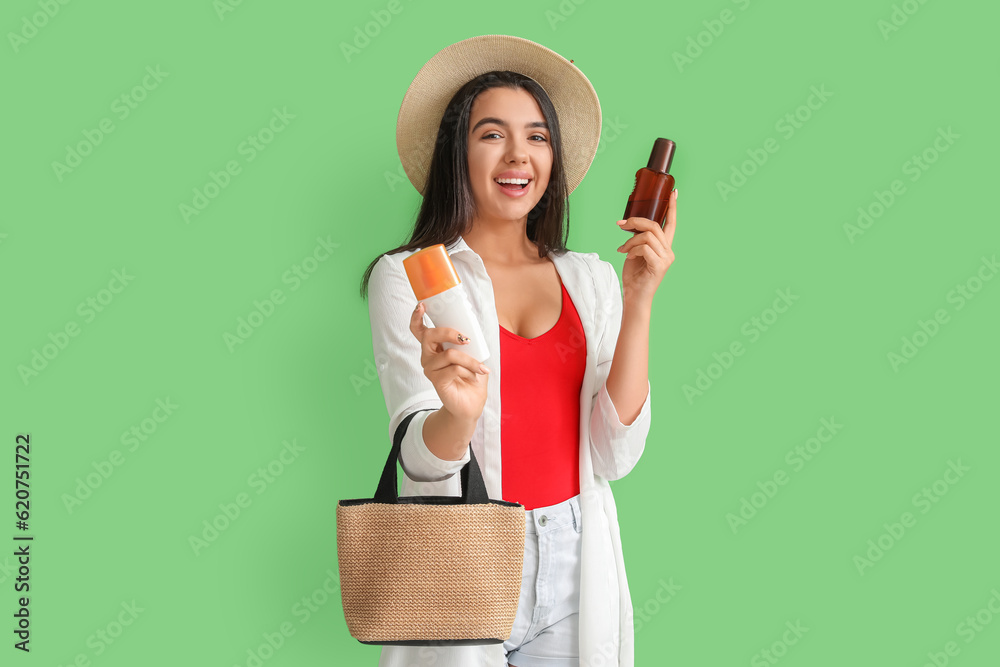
<point x="500" y="241"/>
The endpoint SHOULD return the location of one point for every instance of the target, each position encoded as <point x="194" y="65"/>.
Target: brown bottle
<point x="651" y="195"/>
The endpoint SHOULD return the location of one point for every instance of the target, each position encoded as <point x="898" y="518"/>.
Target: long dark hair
<point x="448" y="206"/>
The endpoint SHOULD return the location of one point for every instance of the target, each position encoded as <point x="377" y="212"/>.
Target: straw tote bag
<point x="430" y="570"/>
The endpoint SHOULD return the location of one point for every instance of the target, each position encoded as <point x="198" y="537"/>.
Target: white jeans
<point x="546" y="630"/>
<point x="546" y="627"/>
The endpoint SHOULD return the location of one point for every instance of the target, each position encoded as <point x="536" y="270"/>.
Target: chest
<point x="528" y="300"/>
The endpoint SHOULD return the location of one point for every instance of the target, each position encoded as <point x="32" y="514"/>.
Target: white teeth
<point x="515" y="181"/>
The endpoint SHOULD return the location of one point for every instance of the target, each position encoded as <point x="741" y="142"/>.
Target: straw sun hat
<point x="572" y="95"/>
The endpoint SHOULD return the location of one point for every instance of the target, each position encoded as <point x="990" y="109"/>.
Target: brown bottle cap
<point x="430" y="271"/>
<point x="660" y="158"/>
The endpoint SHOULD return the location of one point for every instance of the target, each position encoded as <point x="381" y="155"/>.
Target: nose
<point x="517" y="150"/>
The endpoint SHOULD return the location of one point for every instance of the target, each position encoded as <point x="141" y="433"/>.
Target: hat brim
<point x="574" y="98"/>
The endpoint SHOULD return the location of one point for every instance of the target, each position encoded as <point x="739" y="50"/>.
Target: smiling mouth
<point x="513" y="186"/>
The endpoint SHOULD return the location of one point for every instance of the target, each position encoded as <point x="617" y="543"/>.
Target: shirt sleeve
<point x="397" y="358"/>
<point x="615" y="447"/>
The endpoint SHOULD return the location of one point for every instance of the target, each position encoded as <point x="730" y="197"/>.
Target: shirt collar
<point x="466" y="253"/>
<point x="460" y="246"/>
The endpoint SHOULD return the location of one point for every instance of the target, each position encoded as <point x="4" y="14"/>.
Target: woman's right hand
<point x="456" y="375"/>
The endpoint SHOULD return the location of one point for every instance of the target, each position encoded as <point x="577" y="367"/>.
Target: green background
<point x="304" y="376"/>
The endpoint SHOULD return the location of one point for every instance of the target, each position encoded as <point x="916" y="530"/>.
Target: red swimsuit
<point x="540" y="383"/>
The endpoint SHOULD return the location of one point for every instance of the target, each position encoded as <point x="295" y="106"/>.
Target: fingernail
<point x="483" y="369"/>
<point x="463" y="339"/>
<point x="675" y="193"/>
<point x="621" y="222"/>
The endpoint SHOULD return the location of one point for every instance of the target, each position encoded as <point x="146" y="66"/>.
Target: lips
<point x="514" y="191"/>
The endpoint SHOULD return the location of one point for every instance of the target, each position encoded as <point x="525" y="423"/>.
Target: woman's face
<point x="508" y="138"/>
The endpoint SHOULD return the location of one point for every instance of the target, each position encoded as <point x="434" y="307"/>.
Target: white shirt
<point x="608" y="451"/>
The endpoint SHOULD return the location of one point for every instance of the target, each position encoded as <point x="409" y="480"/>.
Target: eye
<point x="534" y="136"/>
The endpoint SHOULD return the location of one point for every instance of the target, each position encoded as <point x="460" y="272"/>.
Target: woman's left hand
<point x="649" y="255"/>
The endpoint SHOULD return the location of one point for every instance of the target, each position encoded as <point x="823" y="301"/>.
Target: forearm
<point x="446" y="436"/>
<point x="629" y="375"/>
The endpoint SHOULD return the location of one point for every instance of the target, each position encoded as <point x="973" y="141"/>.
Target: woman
<point x="574" y="351"/>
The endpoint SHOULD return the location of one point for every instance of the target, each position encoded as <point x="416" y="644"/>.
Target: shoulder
<point x="589" y="259"/>
<point x="388" y="285"/>
<point x="602" y="272"/>
<point x="392" y="260"/>
<point x="389" y="266"/>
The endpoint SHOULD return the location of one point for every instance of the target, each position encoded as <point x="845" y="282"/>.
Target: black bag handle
<point x="473" y="486"/>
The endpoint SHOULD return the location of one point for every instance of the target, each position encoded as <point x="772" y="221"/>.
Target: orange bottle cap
<point x="430" y="271"/>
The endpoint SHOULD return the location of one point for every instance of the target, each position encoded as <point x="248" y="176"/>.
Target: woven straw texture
<point x="430" y="572"/>
<point x="572" y="94"/>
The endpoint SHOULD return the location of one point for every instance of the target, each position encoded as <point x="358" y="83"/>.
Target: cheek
<point x="476" y="161"/>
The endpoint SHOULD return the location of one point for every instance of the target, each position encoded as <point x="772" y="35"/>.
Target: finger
<point x="438" y="335"/>
<point x="671" y="226"/>
<point x="432" y="337"/>
<point x="448" y="374"/>
<point x="643" y="251"/>
<point x="647" y="225"/>
<point x="463" y="373"/>
<point x="644" y="238"/>
<point x="417" y="322"/>
<point x="649" y="237"/>
<point x="636" y="224"/>
<point x="453" y="357"/>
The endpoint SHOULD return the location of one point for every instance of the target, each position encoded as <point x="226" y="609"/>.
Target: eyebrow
<point x="497" y="121"/>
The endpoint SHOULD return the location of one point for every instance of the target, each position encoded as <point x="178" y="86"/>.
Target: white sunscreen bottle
<point x="435" y="282"/>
